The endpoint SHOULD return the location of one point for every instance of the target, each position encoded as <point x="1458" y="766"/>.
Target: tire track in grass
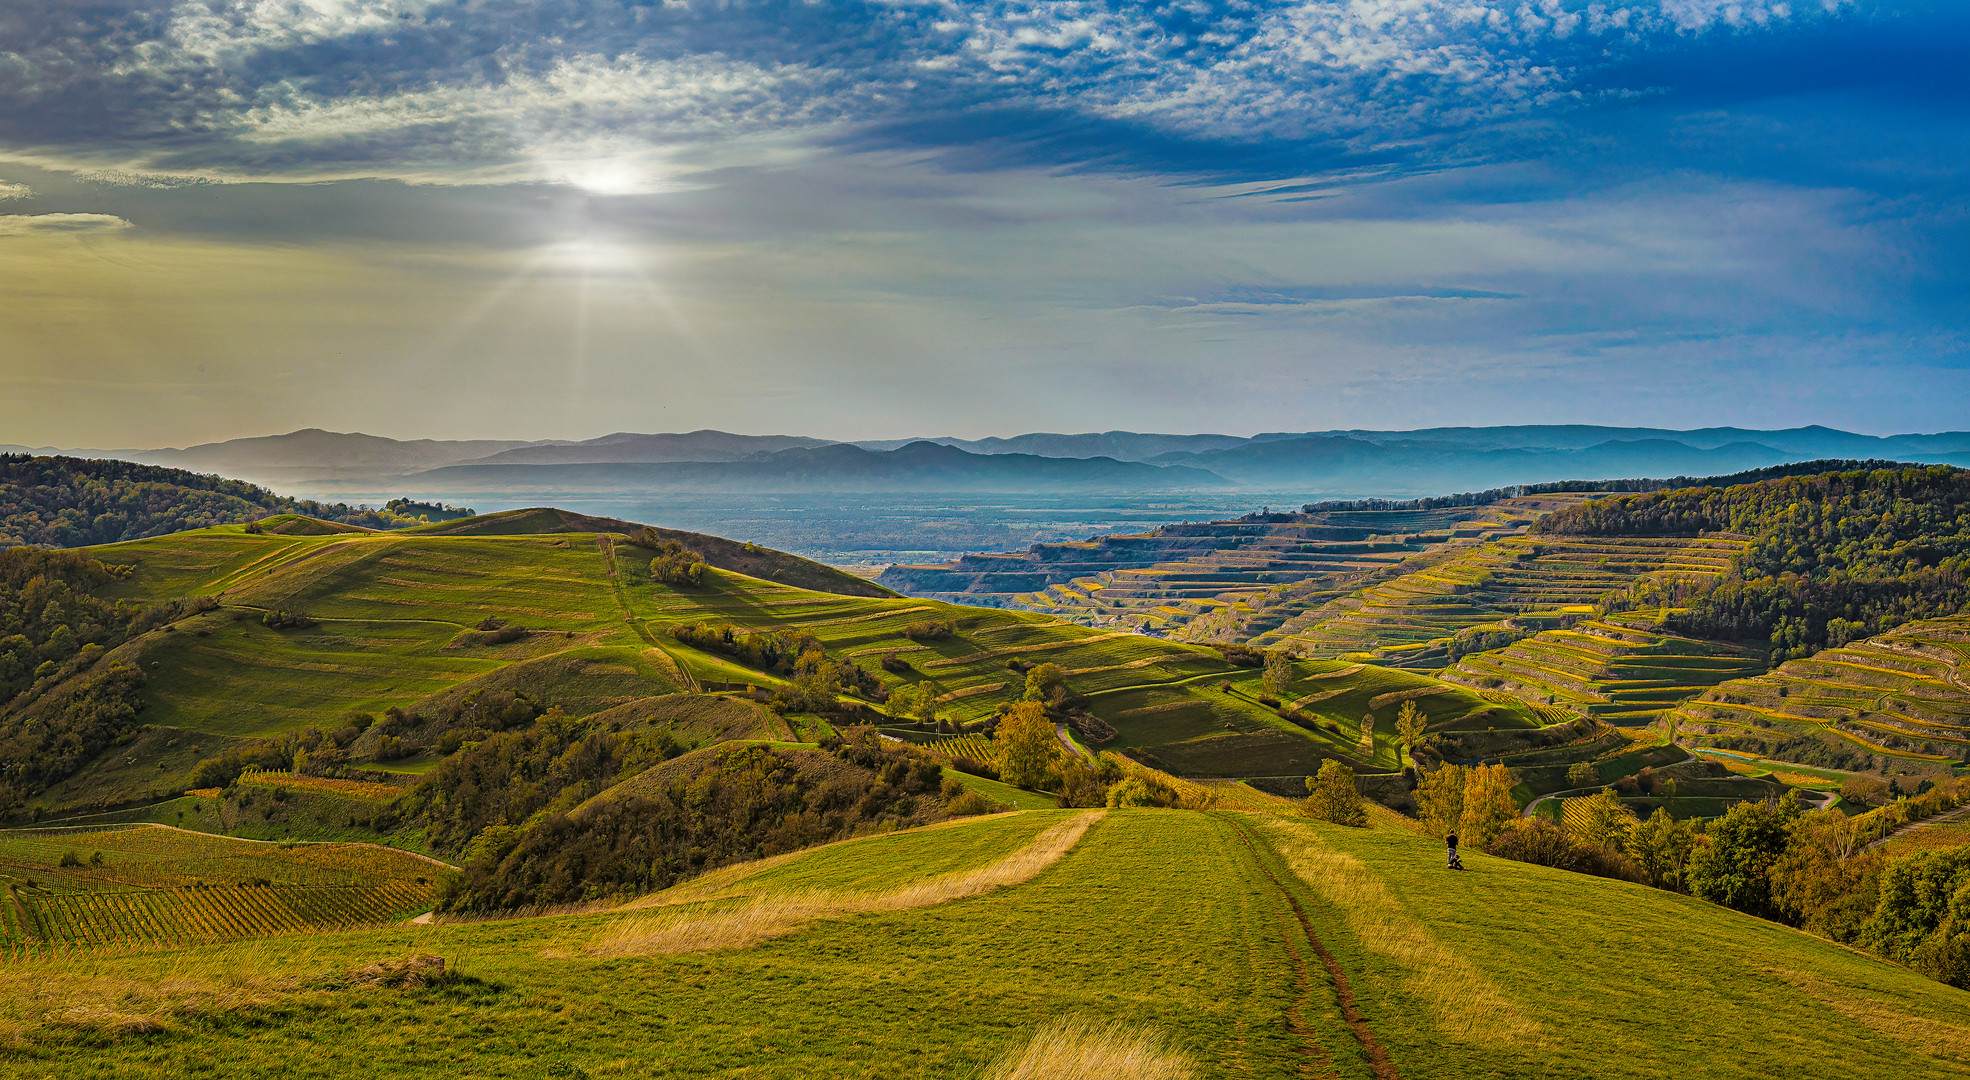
<point x="1379" y="1061"/>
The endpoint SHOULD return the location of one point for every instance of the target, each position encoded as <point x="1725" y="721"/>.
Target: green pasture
<point x="1173" y="921"/>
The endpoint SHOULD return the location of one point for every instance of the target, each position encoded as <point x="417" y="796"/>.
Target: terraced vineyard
<point x="1622" y="669"/>
<point x="150" y="885"/>
<point x="1903" y="696"/>
<point x="1219" y="580"/>
<point x="1528" y="582"/>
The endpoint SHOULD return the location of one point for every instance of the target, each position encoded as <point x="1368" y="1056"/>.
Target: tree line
<point x="72" y="502"/>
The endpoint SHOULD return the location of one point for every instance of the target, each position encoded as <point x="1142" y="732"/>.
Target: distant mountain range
<point x="1327" y="463"/>
<point x="839" y="467"/>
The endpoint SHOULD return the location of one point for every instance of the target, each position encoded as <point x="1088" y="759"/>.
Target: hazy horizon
<point x="420" y="218"/>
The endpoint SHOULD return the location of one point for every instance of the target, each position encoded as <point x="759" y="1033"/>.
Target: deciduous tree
<point x="1333" y="797"/>
<point x="1440" y="799"/>
<point x="1025" y="745"/>
<point x="1488" y="804"/>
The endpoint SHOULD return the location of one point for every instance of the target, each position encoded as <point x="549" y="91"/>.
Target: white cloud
<point x="57" y="224"/>
<point x="15" y="191"/>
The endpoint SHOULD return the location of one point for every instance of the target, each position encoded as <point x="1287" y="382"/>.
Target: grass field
<point x="1205" y="928"/>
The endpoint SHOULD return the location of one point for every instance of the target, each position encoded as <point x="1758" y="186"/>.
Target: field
<point x="1902" y="697"/>
<point x="396" y="621"/>
<point x="147" y="885"/>
<point x="1213" y="930"/>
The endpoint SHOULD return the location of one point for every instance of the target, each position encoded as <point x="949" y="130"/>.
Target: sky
<point x="556" y="219"/>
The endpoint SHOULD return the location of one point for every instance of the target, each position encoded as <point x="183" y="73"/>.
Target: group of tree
<point x="1833" y="558"/>
<point x="1631" y="484"/>
<point x="674" y="563"/>
<point x="532" y="841"/>
<point x="72" y="502"/>
<point x="814" y="679"/>
<point x="1809" y="869"/>
<point x="65" y="700"/>
<point x="1029" y="754"/>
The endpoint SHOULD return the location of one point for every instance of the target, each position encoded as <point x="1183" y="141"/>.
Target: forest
<point x="72" y="502"/>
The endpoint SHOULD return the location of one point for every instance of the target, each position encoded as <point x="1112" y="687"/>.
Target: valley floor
<point x="1208" y="928"/>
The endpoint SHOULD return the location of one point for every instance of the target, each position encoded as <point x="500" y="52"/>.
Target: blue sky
<point x="550" y="218"/>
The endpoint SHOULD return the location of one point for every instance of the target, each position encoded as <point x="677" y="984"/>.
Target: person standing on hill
<point x="1450" y="844"/>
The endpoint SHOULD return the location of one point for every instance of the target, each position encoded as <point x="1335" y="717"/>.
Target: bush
<point x="969" y="803"/>
<point x="1538" y="841"/>
<point x="929" y="630"/>
<point x="283" y="619"/>
<point x="895" y="664"/>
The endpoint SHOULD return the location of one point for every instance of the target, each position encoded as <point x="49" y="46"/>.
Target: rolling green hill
<point x="294" y="632"/>
<point x="1245" y="945"/>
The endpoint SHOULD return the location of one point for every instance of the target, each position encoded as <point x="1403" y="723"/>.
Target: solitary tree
<point x="1582" y="775"/>
<point x="1278" y="673"/>
<point x="1333" y="797"/>
<point x="1488" y="804"/>
<point x="1410" y="725"/>
<point x="1025" y="745"/>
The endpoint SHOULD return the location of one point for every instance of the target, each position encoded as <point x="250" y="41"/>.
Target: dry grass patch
<point x="677" y="930"/>
<point x="1935" y="1038"/>
<point x="1468" y="1007"/>
<point x="1081" y="1049"/>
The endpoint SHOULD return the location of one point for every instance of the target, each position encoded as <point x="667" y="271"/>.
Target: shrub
<point x="283" y="619"/>
<point x="1538" y="841"/>
<point x="895" y="664"/>
<point x="929" y="630"/>
<point x="969" y="803"/>
<point x="68" y="859"/>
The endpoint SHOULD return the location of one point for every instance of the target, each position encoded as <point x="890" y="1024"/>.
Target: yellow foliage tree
<point x="1410" y="725"/>
<point x="1440" y="799"/>
<point x="1603" y="822"/>
<point x="1025" y="745"/>
<point x="1489" y="808"/>
<point x="1334" y="797"/>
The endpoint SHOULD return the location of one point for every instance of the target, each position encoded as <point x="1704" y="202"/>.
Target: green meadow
<point x="1206" y="928"/>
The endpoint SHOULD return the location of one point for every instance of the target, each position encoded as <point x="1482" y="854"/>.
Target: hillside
<point x="1900" y="699"/>
<point x="71" y="502"/>
<point x="1355" y="954"/>
<point x="267" y="637"/>
<point x="1163" y="580"/>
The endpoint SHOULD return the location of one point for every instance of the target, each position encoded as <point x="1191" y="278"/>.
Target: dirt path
<point x="1066" y="740"/>
<point x="1915" y="826"/>
<point x="1379" y="1061"/>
